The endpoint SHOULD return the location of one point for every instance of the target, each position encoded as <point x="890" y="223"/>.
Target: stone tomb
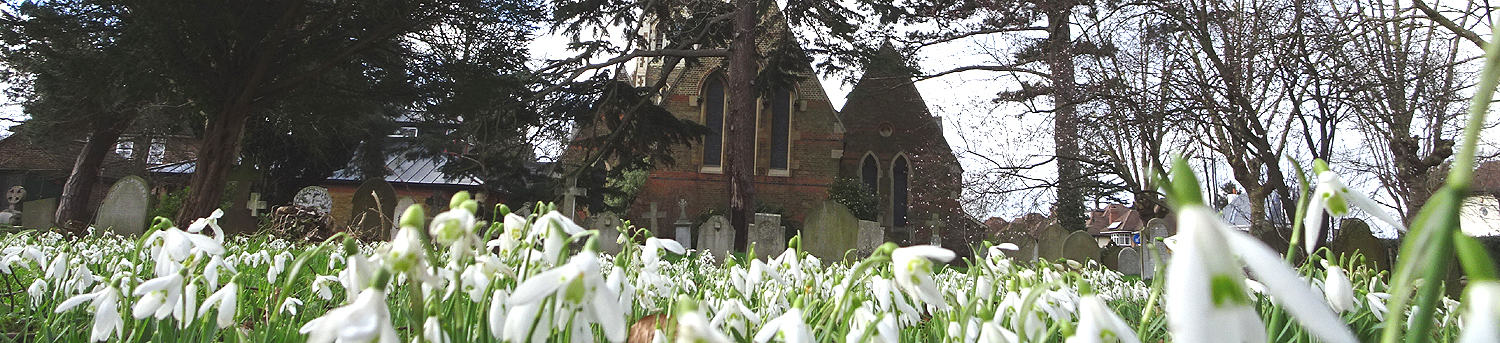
<point x="1080" y="246"/>
<point x="716" y="237"/>
<point x="12" y="216"/>
<point x="124" y="208"/>
<point x="315" y="198"/>
<point x="38" y="214"/>
<point x="767" y="234"/>
<point x="871" y="236"/>
<point x="1050" y="242"/>
<point x="374" y="210"/>
<point x="1354" y="236"/>
<point x="608" y="225"/>
<point x="830" y="230"/>
<point x="1130" y="261"/>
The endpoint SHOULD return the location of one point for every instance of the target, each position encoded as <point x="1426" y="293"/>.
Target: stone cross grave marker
<point x="11" y="216"/>
<point x="608" y="225"/>
<point x="38" y="214"/>
<point x="124" y="208"/>
<point x="255" y="205"/>
<point x="871" y="236"/>
<point x="1080" y="246"/>
<point x="1354" y="236"/>
<point x="570" y="198"/>
<point x="768" y="235"/>
<point x="716" y="237"/>
<point x="654" y="216"/>
<point x="829" y="231"/>
<point x="373" y="210"/>
<point x="1130" y="261"/>
<point x="936" y="225"/>
<point x="316" y="198"/>
<point x="684" y="225"/>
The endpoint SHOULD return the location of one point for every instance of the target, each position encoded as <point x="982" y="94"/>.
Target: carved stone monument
<point x="12" y="216"/>
<point x="768" y="235"/>
<point x="608" y="225"/>
<point x="1130" y="261"/>
<point x="871" y="236"/>
<point x="315" y="198"/>
<point x="716" y="237"/>
<point x="124" y="208"/>
<point x="684" y="225"/>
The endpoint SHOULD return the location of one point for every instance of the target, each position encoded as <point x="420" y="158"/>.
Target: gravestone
<point x="1080" y="246"/>
<point x="829" y="231"/>
<point x="935" y="225"/>
<point x="373" y="211"/>
<point x="1154" y="252"/>
<point x="124" y="208"/>
<point x="1130" y="261"/>
<point x="570" y="198"/>
<point x="12" y="216"/>
<point x="684" y="225"/>
<point x="608" y="225"/>
<point x="768" y="235"/>
<point x="315" y="198"/>
<point x="716" y="237"/>
<point x="1109" y="256"/>
<point x="246" y="206"/>
<point x="1050" y="242"/>
<point x="38" y="214"/>
<point x="1354" y="236"/>
<point x="654" y="216"/>
<point x="871" y="236"/>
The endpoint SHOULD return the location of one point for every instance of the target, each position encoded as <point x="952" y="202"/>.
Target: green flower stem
<point x="1471" y="254"/>
<point x="1302" y="202"/>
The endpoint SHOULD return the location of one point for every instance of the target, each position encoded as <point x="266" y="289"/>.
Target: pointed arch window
<point x="899" y="191"/>
<point x="713" y="117"/>
<point x="869" y="172"/>
<point x="781" y="124"/>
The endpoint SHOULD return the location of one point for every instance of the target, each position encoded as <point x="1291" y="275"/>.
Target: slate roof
<point x="407" y="170"/>
<point x="20" y="153"/>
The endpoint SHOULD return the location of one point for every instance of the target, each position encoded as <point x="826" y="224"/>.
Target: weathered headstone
<point x="246" y="206"/>
<point x="684" y="225"/>
<point x="608" y="225"/>
<point x="829" y="231"/>
<point x="316" y="198"/>
<point x="1050" y="242"/>
<point x="1354" y="236"/>
<point x="716" y="237"/>
<point x="12" y="216"/>
<point x="124" y="208"/>
<point x="1130" y="261"/>
<point x="38" y="214"/>
<point x="373" y="211"/>
<point x="768" y="235"/>
<point x="1080" y="246"/>
<point x="654" y="216"/>
<point x="1151" y="234"/>
<point x="871" y="236"/>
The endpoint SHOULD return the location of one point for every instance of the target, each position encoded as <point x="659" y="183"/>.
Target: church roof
<point x="886" y="92"/>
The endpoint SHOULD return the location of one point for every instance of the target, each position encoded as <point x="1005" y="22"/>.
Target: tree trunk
<point x="740" y="136"/>
<point x="1070" y="211"/>
<point x="216" y="156"/>
<point x="72" y="207"/>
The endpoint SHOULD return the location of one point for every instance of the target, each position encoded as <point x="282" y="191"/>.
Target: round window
<point x="886" y="129"/>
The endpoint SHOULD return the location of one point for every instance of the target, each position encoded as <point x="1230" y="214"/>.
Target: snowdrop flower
<point x="1097" y="323"/>
<point x="319" y="286"/>
<point x="290" y="305"/>
<point x="555" y="229"/>
<point x="227" y="300"/>
<point x="278" y="266"/>
<point x="992" y="332"/>
<point x="1206" y="297"/>
<point x="1377" y="304"/>
<point x="106" y="303"/>
<point x="357" y="275"/>
<point x="514" y="232"/>
<point x="1338" y="289"/>
<point x="1333" y="196"/>
<point x="1482" y="322"/>
<point x="211" y="271"/>
<point x="475" y="281"/>
<point x="189" y="306"/>
<point x="497" y="313"/>
<point x="178" y="245"/>
<point x="159" y="297"/>
<point x="432" y="331"/>
<point x="884" y="327"/>
<point x="525" y="323"/>
<point x="913" y="269"/>
<point x="789" y="325"/>
<point x="212" y="221"/>
<point x="405" y="252"/>
<point x="694" y="327"/>
<point x="368" y="319"/>
<point x="651" y="254"/>
<point x="452" y="226"/>
<point x="577" y="283"/>
<point x="37" y="290"/>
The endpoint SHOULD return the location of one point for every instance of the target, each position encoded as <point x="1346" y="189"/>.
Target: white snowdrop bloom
<point x="368" y="319"/>
<point x="867" y="327"/>
<point x="475" y="282"/>
<point x="158" y="297"/>
<point x="106" y="304"/>
<point x="913" y="269"/>
<point x="291" y="304"/>
<point x="577" y="284"/>
<point x="451" y="226"/>
<point x="1377" y="304"/>
<point x="1205" y="295"/>
<point x="497" y="313"/>
<point x="320" y="286"/>
<point x="555" y="229"/>
<point x="212" y="222"/>
<point x="37" y="290"/>
<point x="525" y="323"/>
<point x="1098" y="324"/>
<point x="1337" y="289"/>
<point x="1482" y="322"/>
<point x="512" y="235"/>
<point x="358" y="273"/>
<point x="432" y="331"/>
<point x="226" y="300"/>
<point x="211" y="270"/>
<point x="694" y="327"/>
<point x="1333" y="196"/>
<point x="58" y="269"/>
<point x="187" y="310"/>
<point x="278" y="266"/>
<point x="789" y="326"/>
<point x="651" y="253"/>
<point x="992" y="332"/>
<point x="405" y="252"/>
<point x="734" y="316"/>
<point x="178" y="245"/>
